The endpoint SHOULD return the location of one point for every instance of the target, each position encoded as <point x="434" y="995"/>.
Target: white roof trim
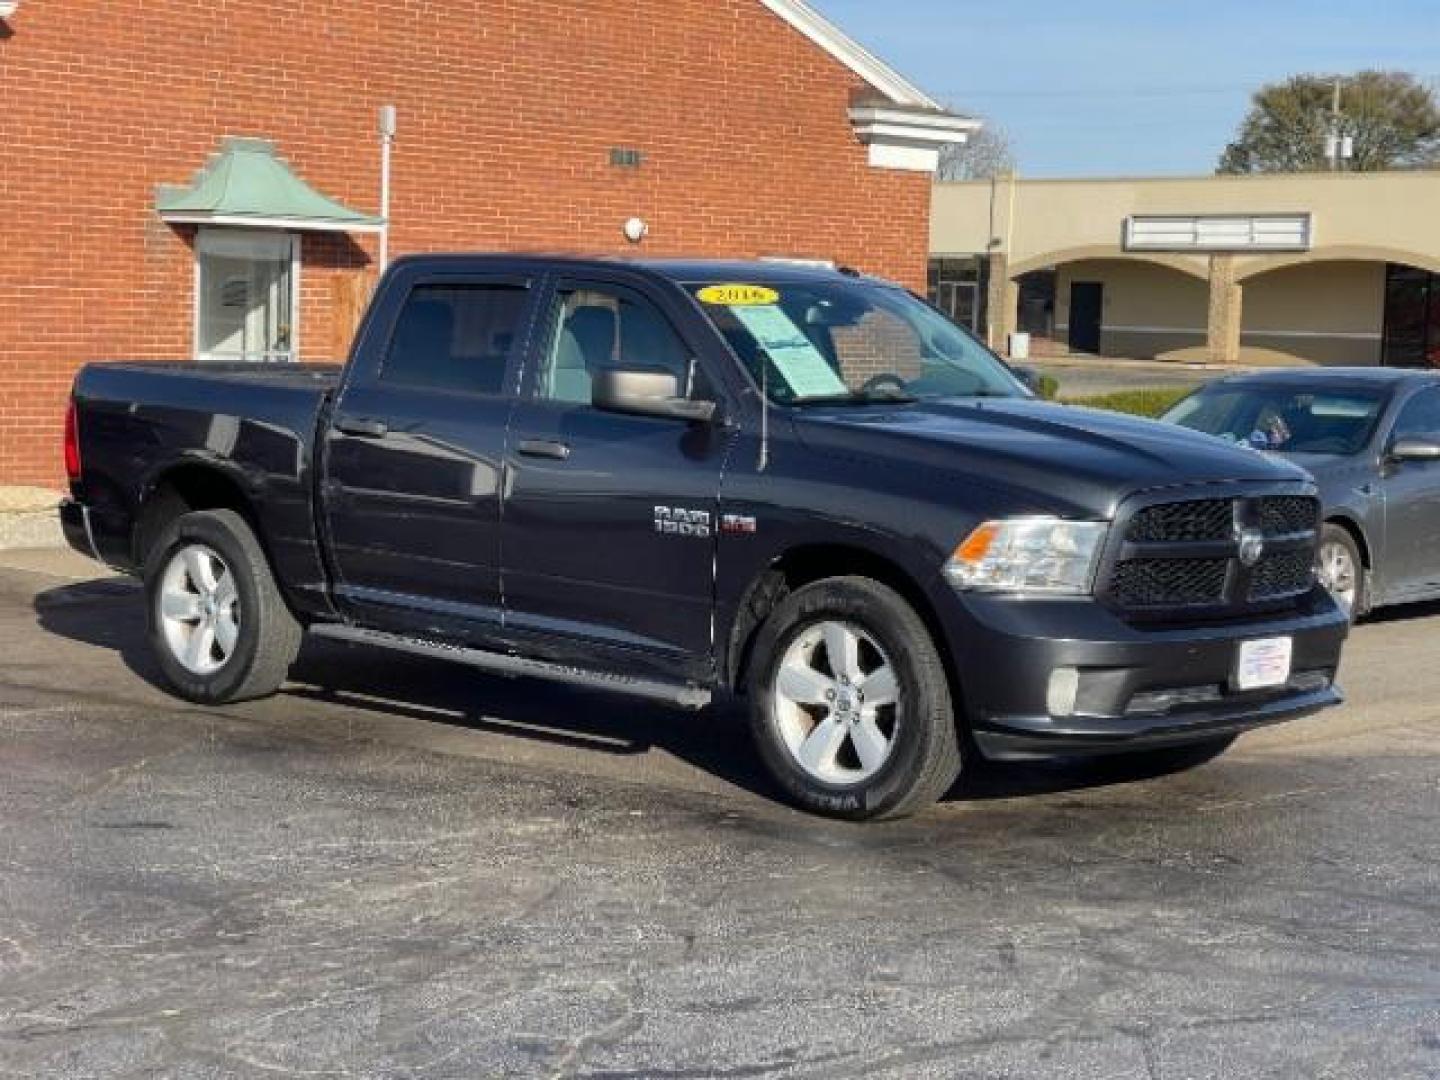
<point x="851" y="53"/>
<point x="907" y="139"/>
<point x="927" y="127"/>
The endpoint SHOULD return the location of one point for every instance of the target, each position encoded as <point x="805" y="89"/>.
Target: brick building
<point x="186" y="179"/>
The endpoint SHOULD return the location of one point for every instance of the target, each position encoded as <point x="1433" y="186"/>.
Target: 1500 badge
<point x="673" y="521"/>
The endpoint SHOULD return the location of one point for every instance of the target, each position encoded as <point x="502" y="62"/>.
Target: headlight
<point x="1028" y="555"/>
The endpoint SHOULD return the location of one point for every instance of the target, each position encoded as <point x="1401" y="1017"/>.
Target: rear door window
<point x="456" y="337"/>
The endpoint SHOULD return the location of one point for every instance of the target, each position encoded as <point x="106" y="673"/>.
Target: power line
<point x="1132" y="92"/>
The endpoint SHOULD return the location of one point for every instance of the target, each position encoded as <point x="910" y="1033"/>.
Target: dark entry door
<point x="1086" y="300"/>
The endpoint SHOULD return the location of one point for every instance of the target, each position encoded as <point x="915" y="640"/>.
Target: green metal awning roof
<point x="248" y="183"/>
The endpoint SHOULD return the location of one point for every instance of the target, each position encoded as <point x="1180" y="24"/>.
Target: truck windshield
<point x="850" y="342"/>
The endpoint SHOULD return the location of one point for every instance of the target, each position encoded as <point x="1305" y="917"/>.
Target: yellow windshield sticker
<point x="738" y="295"/>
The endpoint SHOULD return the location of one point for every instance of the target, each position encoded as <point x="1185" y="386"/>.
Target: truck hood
<point x="1070" y="460"/>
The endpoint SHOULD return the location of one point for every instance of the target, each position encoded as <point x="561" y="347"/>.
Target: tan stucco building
<point x="1319" y="268"/>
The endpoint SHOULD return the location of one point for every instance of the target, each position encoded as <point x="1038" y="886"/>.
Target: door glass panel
<point x="246" y="296"/>
<point x="1407" y="300"/>
<point x="605" y="328"/>
<point x="455" y="337"/>
<point x="1420" y="418"/>
<point x="956" y="286"/>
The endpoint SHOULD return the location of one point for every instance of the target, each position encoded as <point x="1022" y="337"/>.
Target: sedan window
<point x="1420" y="418"/>
<point x="1292" y="420"/>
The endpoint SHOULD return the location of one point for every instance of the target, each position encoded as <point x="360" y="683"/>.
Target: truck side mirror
<point x="647" y="392"/>
<point x="1415" y="448"/>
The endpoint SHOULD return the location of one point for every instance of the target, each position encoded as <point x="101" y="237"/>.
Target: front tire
<point x="850" y="706"/>
<point x="219" y="627"/>
<point x="1341" y="570"/>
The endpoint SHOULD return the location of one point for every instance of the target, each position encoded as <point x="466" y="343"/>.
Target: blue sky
<point x="1131" y="87"/>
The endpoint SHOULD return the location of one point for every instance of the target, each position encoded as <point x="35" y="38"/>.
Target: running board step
<point x="685" y="696"/>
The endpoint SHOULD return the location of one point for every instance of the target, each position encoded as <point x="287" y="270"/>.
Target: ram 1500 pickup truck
<point x="800" y="487"/>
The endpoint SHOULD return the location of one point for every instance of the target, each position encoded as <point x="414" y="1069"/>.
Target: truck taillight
<point x="72" y="443"/>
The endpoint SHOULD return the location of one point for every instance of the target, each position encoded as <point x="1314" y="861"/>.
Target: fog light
<point x="1064" y="687"/>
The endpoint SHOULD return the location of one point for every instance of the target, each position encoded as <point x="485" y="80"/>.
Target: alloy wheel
<point x="199" y="609"/>
<point x="836" y="703"/>
<point x="1337" y="571"/>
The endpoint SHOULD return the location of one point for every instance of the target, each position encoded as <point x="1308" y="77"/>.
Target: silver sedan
<point x="1371" y="439"/>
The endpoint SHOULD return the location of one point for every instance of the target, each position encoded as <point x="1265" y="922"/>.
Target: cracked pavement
<point x="403" y="869"/>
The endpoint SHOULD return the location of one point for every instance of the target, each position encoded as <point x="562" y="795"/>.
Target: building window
<point x="1412" y="317"/>
<point x="957" y="287"/>
<point x="247" y="287"/>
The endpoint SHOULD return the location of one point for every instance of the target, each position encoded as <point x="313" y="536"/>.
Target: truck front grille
<point x="1281" y="515"/>
<point x="1197" y="519"/>
<point x="1151" y="583"/>
<point x="1184" y="557"/>
<point x="1285" y="574"/>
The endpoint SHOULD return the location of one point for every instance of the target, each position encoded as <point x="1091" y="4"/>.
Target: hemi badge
<point x="738" y="524"/>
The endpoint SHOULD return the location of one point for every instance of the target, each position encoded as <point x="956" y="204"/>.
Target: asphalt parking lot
<point x="399" y="869"/>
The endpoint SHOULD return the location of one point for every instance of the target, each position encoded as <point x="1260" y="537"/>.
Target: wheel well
<point x="805" y="565"/>
<point x="182" y="491"/>
<point x="1357" y="534"/>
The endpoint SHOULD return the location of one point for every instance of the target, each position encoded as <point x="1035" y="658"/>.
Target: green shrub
<point x="1047" y="386"/>
<point x="1151" y="402"/>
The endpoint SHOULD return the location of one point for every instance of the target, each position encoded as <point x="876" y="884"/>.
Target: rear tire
<point x="850" y="706"/>
<point x="219" y="627"/>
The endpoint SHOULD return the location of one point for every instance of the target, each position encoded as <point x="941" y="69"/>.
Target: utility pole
<point x="1339" y="148"/>
<point x="387" y="142"/>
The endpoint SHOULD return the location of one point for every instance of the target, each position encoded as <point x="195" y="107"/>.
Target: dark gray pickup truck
<point x="678" y="480"/>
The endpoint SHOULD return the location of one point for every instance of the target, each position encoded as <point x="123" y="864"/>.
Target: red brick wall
<point x="508" y="110"/>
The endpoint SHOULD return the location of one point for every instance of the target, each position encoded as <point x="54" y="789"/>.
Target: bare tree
<point x="987" y="154"/>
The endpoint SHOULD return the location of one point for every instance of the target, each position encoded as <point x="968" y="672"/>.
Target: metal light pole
<point x="1338" y="148"/>
<point x="387" y="142"/>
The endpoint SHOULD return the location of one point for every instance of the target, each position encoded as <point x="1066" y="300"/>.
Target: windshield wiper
<point x="883" y="396"/>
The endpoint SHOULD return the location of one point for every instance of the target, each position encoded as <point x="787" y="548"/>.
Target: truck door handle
<point x="544" y="448"/>
<point x="362" y="428"/>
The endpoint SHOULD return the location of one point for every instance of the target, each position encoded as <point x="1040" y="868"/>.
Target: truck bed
<point x="141" y="424"/>
<point x="294" y="376"/>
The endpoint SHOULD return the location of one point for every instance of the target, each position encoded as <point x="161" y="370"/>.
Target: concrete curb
<point x="28" y="518"/>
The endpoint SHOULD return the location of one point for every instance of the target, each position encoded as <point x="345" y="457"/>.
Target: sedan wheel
<point x="199" y="609"/>
<point x="1339" y="571"/>
<point x="837" y="703"/>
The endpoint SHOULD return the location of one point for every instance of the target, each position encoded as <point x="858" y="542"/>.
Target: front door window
<point x="246" y="289"/>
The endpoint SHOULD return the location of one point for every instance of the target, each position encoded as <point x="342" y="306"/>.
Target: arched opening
<point x="1342" y="311"/>
<point x="1316" y="311"/>
<point x="1133" y="308"/>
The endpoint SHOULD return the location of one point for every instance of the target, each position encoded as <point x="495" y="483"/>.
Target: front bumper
<point x="1132" y="687"/>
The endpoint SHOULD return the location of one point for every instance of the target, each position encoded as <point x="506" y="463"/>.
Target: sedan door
<point x="1411" y="556"/>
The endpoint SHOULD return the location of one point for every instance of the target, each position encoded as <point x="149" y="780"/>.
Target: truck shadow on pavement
<point x="336" y="681"/>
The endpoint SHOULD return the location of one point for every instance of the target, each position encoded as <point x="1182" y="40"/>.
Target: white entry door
<point x="247" y="291"/>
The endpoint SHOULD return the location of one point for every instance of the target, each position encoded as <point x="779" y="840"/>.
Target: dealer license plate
<point x="1264" y="663"/>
